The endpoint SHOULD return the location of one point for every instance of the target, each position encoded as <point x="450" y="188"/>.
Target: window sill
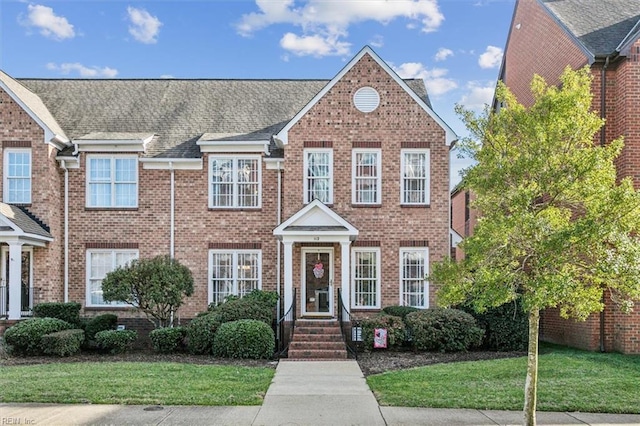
<point x="235" y="209"/>
<point x="415" y="206"/>
<point x="19" y="204"/>
<point x="366" y="206"/>
<point x="103" y="209"/>
<point x="109" y="308"/>
<point x="364" y="309"/>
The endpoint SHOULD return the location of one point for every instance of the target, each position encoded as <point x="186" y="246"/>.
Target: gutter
<point x="278" y="242"/>
<point x="172" y="208"/>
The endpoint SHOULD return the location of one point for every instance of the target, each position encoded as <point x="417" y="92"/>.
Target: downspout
<point x="603" y="141"/>
<point x="172" y="213"/>
<point x="279" y="244"/>
<point x="66" y="231"/>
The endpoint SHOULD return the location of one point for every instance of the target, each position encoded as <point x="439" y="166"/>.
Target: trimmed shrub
<point x="238" y="309"/>
<point x="244" y="339"/>
<point x="399" y="311"/>
<point x="100" y="323"/>
<point x="395" y="330"/>
<point x="200" y="333"/>
<point x="268" y="298"/>
<point x="115" y="341"/>
<point x="69" y="312"/>
<point x="444" y="330"/>
<point x="167" y="340"/>
<point x="506" y="327"/>
<point x="62" y="343"/>
<point x="24" y="338"/>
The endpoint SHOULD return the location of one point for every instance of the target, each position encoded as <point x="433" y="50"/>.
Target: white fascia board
<point x="171" y="163"/>
<point x="115" y="145"/>
<point x="274" y="163"/>
<point x="234" y="146"/>
<point x="69" y="162"/>
<point x="282" y="137"/>
<point x="315" y="237"/>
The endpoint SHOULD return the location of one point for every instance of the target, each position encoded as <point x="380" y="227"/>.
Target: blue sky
<point x="454" y="45"/>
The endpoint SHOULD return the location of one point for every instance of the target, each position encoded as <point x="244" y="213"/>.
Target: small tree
<point x="156" y="286"/>
<point x="556" y="229"/>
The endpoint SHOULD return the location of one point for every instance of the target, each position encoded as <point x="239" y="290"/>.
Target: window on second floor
<point x="367" y="181"/>
<point x="318" y="178"/>
<point x="235" y="182"/>
<point x="415" y="177"/>
<point x="112" y="181"/>
<point x="17" y="176"/>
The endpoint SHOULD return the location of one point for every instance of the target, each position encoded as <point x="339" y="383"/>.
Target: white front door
<point x="26" y="279"/>
<point x="317" y="282"/>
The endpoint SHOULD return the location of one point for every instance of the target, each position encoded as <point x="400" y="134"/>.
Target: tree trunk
<point x="531" y="385"/>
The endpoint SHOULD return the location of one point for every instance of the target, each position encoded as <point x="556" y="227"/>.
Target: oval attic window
<point x="366" y="99"/>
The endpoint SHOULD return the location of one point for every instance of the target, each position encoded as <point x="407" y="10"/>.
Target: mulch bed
<point x="372" y="362"/>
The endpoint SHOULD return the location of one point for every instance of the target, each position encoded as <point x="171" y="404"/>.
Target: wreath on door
<point x="318" y="269"/>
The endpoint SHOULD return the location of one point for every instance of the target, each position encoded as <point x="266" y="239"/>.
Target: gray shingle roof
<point x="600" y="25"/>
<point x="22" y="220"/>
<point x="178" y="112"/>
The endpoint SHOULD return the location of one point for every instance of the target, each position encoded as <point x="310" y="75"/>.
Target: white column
<point x="346" y="273"/>
<point x="288" y="275"/>
<point x="15" y="280"/>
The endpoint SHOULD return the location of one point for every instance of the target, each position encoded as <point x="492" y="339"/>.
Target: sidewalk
<point x="302" y="393"/>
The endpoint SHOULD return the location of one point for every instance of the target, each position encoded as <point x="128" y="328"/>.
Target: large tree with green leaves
<point x="156" y="286"/>
<point x="556" y="228"/>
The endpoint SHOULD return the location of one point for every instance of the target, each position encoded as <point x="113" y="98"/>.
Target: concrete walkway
<point x="302" y="393"/>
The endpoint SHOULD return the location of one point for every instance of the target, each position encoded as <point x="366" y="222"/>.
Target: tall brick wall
<point x="18" y="129"/>
<point x="397" y="121"/>
<point x="537" y="45"/>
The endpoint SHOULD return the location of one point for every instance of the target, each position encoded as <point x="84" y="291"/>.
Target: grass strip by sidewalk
<point x="569" y="380"/>
<point x="135" y="383"/>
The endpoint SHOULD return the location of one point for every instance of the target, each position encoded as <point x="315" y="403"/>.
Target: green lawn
<point x="569" y="380"/>
<point x="135" y="383"/>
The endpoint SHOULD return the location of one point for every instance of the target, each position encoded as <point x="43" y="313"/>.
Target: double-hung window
<point x="112" y="181"/>
<point x="367" y="181"/>
<point x="99" y="263"/>
<point x="233" y="272"/>
<point x="415" y="177"/>
<point x="318" y="179"/>
<point x="235" y="182"/>
<point x="414" y="288"/>
<point x="366" y="278"/>
<point x="17" y="175"/>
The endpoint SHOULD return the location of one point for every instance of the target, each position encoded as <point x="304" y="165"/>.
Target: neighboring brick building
<point x="312" y="185"/>
<point x="545" y="37"/>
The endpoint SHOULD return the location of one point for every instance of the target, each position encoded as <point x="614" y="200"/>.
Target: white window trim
<point x="425" y="250"/>
<point x="6" y="177"/>
<point x="427" y="176"/>
<point x="354" y="168"/>
<point x="376" y="250"/>
<point x="235" y="159"/>
<point x="234" y="267"/>
<point x="88" y="275"/>
<point x="113" y="159"/>
<point x="306" y="153"/>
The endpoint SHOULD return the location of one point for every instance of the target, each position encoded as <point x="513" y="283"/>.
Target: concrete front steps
<point x="317" y="339"/>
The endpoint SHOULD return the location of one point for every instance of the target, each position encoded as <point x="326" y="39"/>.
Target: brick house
<point x="546" y="36"/>
<point x="317" y="186"/>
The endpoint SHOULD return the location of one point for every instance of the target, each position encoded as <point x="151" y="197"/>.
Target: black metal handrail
<point x="286" y="325"/>
<point x="350" y="328"/>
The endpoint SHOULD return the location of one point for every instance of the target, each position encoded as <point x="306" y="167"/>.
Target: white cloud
<point x="377" y="41"/>
<point x="50" y="25"/>
<point x="144" y="27"/>
<point x="330" y="20"/>
<point x="478" y="95"/>
<point x="491" y="58"/>
<point x="83" y="71"/>
<point x="435" y="79"/>
<point x="315" y="45"/>
<point x="442" y="54"/>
